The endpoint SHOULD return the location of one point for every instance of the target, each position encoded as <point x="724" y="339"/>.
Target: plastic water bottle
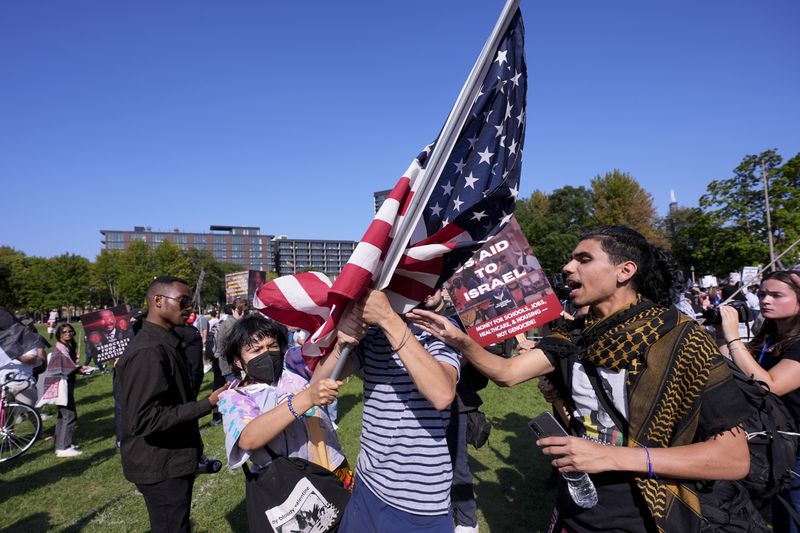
<point x="581" y="489"/>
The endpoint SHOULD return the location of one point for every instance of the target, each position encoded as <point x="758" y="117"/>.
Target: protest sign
<point x="502" y="290"/>
<point x="108" y="332"/>
<point x="235" y="286"/>
<point x="709" y="281"/>
<point x="750" y="275"/>
<point x="243" y="284"/>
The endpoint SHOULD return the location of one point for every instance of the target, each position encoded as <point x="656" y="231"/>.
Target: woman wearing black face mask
<point x="276" y="406"/>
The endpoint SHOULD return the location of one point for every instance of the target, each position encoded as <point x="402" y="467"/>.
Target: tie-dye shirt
<point x="313" y="438"/>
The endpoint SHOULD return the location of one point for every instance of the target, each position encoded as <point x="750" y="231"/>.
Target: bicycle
<point x="20" y="424"/>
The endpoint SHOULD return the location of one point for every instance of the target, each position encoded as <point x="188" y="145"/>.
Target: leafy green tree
<point x="34" y="286"/>
<point x="212" y="291"/>
<point x="107" y="271"/>
<point x="784" y="188"/>
<point x="738" y="201"/>
<point x="699" y="241"/>
<point x="71" y="275"/>
<point x="171" y="260"/>
<point x="552" y="223"/>
<point x="10" y="262"/>
<point x="737" y="205"/>
<point x="618" y="199"/>
<point x="138" y="270"/>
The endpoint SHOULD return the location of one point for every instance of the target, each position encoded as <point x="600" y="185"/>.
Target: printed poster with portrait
<point x="235" y="286"/>
<point x="255" y="279"/>
<point x="502" y="290"/>
<point x="243" y="284"/>
<point x="108" y="332"/>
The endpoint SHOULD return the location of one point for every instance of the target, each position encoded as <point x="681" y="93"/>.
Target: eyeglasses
<point x="184" y="301"/>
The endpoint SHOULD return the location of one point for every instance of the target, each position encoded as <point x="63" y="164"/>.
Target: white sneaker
<point x="68" y="452"/>
<point x="45" y="416"/>
<point x="206" y="368"/>
<point x="466" y="529"/>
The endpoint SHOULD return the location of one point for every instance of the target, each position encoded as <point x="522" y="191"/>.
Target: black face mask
<point x="266" y="367"/>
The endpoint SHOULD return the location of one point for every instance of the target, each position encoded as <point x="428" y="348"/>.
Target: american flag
<point x="473" y="198"/>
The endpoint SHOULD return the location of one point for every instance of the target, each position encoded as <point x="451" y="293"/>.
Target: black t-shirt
<point x="620" y="506"/>
<point x="790" y="399"/>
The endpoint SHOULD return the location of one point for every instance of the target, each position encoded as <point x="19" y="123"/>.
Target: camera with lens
<point x="559" y="287"/>
<point x="712" y="315"/>
<point x="208" y="466"/>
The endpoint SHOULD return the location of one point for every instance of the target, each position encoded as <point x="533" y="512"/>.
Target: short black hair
<point x="658" y="276"/>
<point x="161" y="283"/>
<point x="250" y="328"/>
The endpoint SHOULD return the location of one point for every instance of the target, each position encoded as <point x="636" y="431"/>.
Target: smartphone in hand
<point x="545" y="425"/>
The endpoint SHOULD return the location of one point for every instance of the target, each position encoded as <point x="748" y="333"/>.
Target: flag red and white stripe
<point x="456" y="194"/>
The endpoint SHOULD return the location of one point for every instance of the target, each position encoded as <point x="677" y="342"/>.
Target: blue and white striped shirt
<point x="404" y="458"/>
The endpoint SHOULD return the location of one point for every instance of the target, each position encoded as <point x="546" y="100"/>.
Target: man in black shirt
<point x="161" y="443"/>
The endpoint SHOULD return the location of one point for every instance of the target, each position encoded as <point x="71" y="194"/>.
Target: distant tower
<point x="673" y="207"/>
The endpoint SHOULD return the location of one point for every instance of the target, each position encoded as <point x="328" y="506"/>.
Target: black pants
<point x="168" y="503"/>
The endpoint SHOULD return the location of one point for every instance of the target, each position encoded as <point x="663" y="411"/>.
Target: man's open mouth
<point x="573" y="285"/>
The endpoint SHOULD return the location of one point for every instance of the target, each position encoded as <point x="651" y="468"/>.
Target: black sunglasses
<point x="184" y="301"/>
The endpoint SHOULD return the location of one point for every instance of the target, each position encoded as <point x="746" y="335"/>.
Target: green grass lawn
<point x="39" y="492"/>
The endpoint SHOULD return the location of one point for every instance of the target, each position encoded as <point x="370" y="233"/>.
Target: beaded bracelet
<point x="291" y="409"/>
<point x="649" y="463"/>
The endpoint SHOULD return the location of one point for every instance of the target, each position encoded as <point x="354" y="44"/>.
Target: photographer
<point x="773" y="357"/>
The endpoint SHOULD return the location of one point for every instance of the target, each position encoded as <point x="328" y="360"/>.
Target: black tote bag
<point x="292" y="494"/>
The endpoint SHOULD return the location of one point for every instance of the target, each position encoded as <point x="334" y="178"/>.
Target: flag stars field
<point x="485" y="156"/>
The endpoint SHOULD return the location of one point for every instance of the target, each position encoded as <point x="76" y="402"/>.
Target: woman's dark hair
<point x="769" y="329"/>
<point x="658" y="277"/>
<point x="253" y="328"/>
<point x="72" y="344"/>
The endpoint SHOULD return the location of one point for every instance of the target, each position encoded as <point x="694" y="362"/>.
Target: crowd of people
<point x="640" y="379"/>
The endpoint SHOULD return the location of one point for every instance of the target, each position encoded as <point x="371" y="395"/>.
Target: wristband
<point x="649" y="463"/>
<point x="291" y="409"/>
<point x="728" y="344"/>
<point x="406" y="335"/>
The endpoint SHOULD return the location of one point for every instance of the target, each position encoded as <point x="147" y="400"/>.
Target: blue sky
<point x="288" y="115"/>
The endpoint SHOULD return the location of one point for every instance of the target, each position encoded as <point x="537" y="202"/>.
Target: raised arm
<point x="782" y="378"/>
<point x="434" y="379"/>
<point x="266" y="426"/>
<point x="530" y="363"/>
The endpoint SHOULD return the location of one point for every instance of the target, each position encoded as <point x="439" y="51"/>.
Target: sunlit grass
<point x="39" y="492"/>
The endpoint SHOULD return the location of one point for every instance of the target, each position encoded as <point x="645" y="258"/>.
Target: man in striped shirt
<point x="404" y="471"/>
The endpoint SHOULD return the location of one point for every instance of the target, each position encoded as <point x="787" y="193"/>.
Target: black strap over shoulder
<point x="248" y="474"/>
